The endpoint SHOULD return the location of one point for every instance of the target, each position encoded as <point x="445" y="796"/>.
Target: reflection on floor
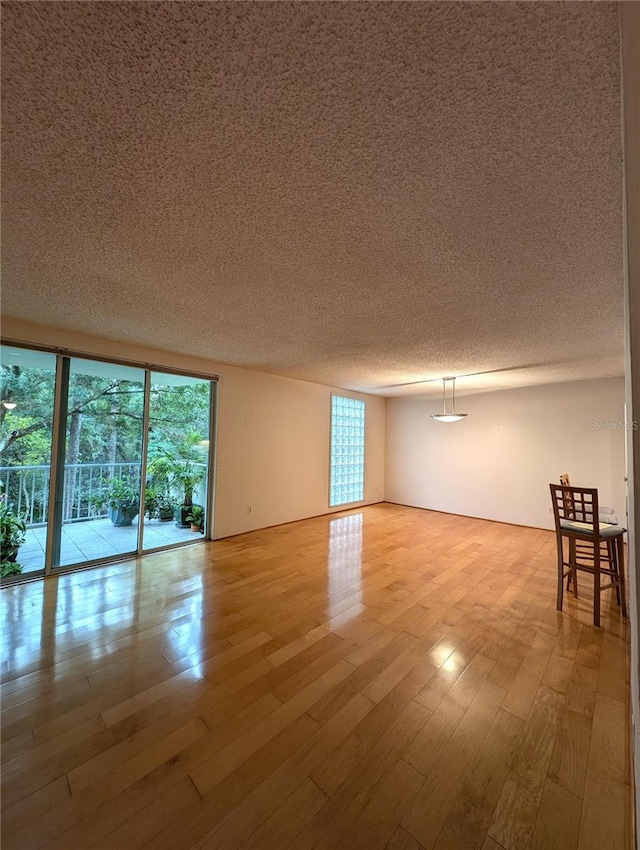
<point x="99" y="538"/>
<point x="345" y="558"/>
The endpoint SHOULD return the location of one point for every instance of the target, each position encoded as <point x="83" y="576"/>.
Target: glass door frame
<point x="211" y="465"/>
<point x="58" y="448"/>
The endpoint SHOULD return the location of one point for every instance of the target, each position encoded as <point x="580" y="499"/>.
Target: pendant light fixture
<point x="450" y="416"/>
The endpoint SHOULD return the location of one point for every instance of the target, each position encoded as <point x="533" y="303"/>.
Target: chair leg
<point x="623" y="591"/>
<point x="559" y="547"/>
<point x="596" y="586"/>
<point x="572" y="578"/>
<point x="612" y="556"/>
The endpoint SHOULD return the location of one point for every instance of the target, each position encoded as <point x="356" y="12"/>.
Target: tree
<point x="104" y="426"/>
<point x="32" y="391"/>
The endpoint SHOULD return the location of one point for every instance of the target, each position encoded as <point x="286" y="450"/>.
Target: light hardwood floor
<point x="384" y="678"/>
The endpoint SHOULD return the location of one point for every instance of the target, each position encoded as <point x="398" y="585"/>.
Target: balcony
<point x="87" y="532"/>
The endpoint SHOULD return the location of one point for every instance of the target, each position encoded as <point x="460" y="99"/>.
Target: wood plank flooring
<point x="383" y="678"/>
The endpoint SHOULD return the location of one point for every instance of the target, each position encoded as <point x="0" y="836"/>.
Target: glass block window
<point x="347" y="451"/>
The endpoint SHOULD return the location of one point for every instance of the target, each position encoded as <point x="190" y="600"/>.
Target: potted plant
<point x="187" y="476"/>
<point x="164" y="508"/>
<point x="12" y="536"/>
<point x="180" y="469"/>
<point x="196" y="518"/>
<point x="123" y="498"/>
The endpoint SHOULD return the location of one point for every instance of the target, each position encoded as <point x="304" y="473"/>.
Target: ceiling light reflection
<point x="441" y="654"/>
<point x="452" y="664"/>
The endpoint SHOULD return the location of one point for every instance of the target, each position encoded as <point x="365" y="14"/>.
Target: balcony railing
<point x="27" y="487"/>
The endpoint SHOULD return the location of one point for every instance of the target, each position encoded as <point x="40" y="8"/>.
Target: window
<point x="347" y="451"/>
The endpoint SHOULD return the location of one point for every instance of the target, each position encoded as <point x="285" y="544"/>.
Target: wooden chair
<point x="607" y="515"/>
<point x="574" y="510"/>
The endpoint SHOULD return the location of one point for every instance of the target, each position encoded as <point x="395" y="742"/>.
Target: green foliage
<point x="12" y="528"/>
<point x="10" y="568"/>
<point x="123" y="493"/>
<point x="158" y="505"/>
<point x="106" y="407"/>
<point x="34" y="449"/>
<point x="150" y="502"/>
<point x="176" y="411"/>
<point x="32" y="391"/>
<point x="164" y="508"/>
<point x="181" y="468"/>
<point x="196" y="516"/>
<point x="12" y="536"/>
<point x="160" y="471"/>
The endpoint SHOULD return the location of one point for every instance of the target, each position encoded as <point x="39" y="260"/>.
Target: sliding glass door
<point x="26" y="421"/>
<point x="99" y="460"/>
<point x="178" y="459"/>
<point x="102" y="466"/>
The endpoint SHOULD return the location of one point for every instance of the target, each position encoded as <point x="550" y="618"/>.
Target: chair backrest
<point x="564" y="480"/>
<point x="575" y="504"/>
<point x="607" y="515"/>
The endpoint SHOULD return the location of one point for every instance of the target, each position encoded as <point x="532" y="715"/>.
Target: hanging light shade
<point x="448" y="415"/>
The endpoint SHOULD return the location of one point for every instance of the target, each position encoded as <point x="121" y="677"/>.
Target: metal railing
<point x="27" y="488"/>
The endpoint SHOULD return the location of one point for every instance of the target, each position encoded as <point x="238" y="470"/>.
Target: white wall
<point x="497" y="463"/>
<point x="273" y="433"/>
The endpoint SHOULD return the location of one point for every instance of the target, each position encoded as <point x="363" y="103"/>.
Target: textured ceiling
<point x="364" y="195"/>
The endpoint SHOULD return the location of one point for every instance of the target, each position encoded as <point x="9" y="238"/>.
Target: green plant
<point x="181" y="469"/>
<point x="150" y="502"/>
<point x="160" y="471"/>
<point x="122" y="495"/>
<point x="12" y="536"/>
<point x="188" y="477"/>
<point x="10" y="568"/>
<point x="119" y="493"/>
<point x="196" y="516"/>
<point x="188" y="472"/>
<point x="12" y="528"/>
<point x="164" y="507"/>
<point x="158" y="505"/>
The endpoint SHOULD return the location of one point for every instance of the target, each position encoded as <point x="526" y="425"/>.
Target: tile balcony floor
<point x="99" y="538"/>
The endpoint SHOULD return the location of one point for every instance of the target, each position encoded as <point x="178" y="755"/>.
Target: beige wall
<point x="273" y="433"/>
<point x="497" y="463"/>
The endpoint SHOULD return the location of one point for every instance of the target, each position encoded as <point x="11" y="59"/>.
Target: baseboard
<point x="468" y="516"/>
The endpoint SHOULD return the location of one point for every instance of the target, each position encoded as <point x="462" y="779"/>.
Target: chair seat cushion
<point x="606" y="529"/>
